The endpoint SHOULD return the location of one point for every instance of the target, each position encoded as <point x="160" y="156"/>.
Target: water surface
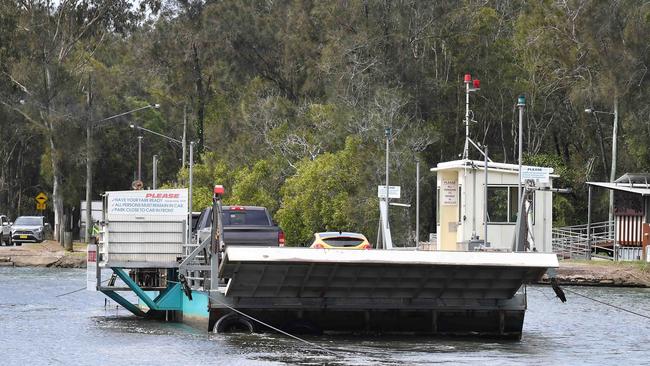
<point x="38" y="328"/>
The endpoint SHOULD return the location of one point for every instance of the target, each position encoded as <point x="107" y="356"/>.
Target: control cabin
<point x="460" y="201"/>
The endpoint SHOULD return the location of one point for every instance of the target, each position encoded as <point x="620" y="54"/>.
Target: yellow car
<point x="339" y="240"/>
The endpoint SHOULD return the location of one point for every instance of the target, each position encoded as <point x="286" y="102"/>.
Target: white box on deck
<point x="144" y="229"/>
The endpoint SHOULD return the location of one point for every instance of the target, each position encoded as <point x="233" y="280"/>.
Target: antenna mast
<point x="470" y="86"/>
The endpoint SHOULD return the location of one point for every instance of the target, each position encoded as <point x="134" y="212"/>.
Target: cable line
<point x="604" y="303"/>
<point x="81" y="289"/>
<point x="274" y="328"/>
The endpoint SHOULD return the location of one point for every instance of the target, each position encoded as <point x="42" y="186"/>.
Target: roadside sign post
<point x="41" y="200"/>
<point x="392" y="192"/>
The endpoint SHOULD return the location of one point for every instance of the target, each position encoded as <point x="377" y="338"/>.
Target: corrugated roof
<point x="642" y="189"/>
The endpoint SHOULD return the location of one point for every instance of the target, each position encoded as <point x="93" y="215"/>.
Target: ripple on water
<point x="39" y="328"/>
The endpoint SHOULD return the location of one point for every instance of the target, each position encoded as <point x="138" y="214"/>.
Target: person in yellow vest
<point x="95" y="232"/>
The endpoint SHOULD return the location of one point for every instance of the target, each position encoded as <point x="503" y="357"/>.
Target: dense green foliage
<point x="288" y="100"/>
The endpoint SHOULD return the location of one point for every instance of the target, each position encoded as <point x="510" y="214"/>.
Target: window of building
<point x="503" y="204"/>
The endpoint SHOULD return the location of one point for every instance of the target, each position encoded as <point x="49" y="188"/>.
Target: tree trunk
<point x="57" y="200"/>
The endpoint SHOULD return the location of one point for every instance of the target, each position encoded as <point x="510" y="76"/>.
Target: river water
<point x="38" y="328"/>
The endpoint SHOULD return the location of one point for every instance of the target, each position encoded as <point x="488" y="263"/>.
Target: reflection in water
<point x="39" y="328"/>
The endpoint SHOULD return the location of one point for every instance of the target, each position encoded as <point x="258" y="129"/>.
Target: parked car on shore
<point x="5" y="230"/>
<point x="339" y="240"/>
<point x="28" y="229"/>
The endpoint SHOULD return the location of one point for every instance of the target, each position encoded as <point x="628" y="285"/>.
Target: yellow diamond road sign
<point x="41" y="198"/>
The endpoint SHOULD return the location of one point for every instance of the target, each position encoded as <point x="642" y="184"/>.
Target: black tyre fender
<point x="233" y="322"/>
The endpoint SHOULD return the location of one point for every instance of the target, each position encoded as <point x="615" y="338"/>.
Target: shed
<point x="460" y="206"/>
<point x="631" y="209"/>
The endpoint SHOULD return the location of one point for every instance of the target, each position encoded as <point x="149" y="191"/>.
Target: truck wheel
<point x="234" y="323"/>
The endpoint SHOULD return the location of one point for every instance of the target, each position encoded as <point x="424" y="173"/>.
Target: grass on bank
<point x="640" y="265"/>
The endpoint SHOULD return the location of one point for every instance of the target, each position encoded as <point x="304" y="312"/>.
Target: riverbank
<point x="46" y="254"/>
<point x="602" y="273"/>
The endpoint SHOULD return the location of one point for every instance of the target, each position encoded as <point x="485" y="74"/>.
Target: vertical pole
<point x="184" y="133"/>
<point x="466" y="148"/>
<point x="520" y="152"/>
<point x="155" y="172"/>
<point x="521" y="103"/>
<point x="140" y="158"/>
<point x="417" y="202"/>
<point x="612" y="175"/>
<point x="589" y="224"/>
<point x="386" y="225"/>
<point x="89" y="165"/>
<point x="189" y="217"/>
<point x="485" y="198"/>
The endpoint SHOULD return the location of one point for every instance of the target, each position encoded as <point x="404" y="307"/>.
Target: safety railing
<point x="584" y="241"/>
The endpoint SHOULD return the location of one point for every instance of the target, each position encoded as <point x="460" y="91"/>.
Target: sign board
<point x="41" y="198"/>
<point x="137" y="184"/>
<point x="147" y="203"/>
<point x="393" y="191"/>
<point x="40" y="206"/>
<point x="537" y="173"/>
<point x="449" y="193"/>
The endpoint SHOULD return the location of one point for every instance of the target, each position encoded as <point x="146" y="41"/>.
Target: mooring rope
<point x="81" y="289"/>
<point x="274" y="328"/>
<point x="608" y="304"/>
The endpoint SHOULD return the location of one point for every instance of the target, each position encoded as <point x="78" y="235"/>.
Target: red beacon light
<point x="219" y="190"/>
<point x="477" y="84"/>
<point x="468" y="78"/>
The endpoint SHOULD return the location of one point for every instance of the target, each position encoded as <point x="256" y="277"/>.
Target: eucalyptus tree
<point x="56" y="42"/>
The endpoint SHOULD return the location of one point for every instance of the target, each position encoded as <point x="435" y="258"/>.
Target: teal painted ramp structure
<point x="169" y="299"/>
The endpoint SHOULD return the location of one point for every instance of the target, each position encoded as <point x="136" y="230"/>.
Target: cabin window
<point x="503" y="204"/>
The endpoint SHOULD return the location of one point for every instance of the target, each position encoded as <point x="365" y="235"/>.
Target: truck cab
<point x="243" y="226"/>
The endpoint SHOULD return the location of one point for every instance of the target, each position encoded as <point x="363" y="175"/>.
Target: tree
<point x="56" y="45"/>
<point x="330" y="192"/>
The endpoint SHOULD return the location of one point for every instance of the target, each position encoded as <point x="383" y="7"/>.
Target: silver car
<point x="28" y="229"/>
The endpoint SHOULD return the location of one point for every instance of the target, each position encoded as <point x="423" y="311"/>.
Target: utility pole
<point x="89" y="164"/>
<point x="386" y="223"/>
<point x="521" y="104"/>
<point x="417" y="202"/>
<point x="612" y="174"/>
<point x="184" y="133"/>
<point x="155" y="172"/>
<point x="189" y="214"/>
<point x="140" y="158"/>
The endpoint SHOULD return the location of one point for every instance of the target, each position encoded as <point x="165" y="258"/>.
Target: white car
<point x="28" y="229"/>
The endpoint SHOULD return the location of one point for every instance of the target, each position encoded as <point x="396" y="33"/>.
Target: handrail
<point x="576" y="242"/>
